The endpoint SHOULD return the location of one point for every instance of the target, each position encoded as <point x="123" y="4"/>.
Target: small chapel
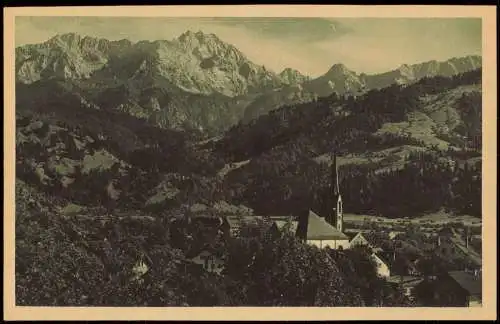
<point x="326" y="231"/>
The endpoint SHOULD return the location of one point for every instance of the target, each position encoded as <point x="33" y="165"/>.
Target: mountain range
<point x="194" y="82"/>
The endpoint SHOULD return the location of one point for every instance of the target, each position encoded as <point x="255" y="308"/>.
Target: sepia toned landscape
<point x="169" y="163"/>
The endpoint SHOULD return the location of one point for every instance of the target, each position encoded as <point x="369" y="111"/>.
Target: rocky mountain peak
<point x="292" y="76"/>
<point x="339" y="68"/>
<point x="66" y="38"/>
<point x="75" y="41"/>
<point x="192" y="40"/>
<point x="290" y="71"/>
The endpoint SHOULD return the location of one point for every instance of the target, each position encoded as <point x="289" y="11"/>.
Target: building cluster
<point x="328" y="232"/>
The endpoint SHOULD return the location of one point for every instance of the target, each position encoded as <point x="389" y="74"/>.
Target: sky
<point x="310" y="45"/>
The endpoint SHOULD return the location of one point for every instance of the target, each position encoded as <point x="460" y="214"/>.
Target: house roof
<point x="384" y="258"/>
<point x="193" y="253"/>
<point x="282" y="221"/>
<point x="319" y="229"/>
<point x="205" y="248"/>
<point x="360" y="235"/>
<point x="467" y="281"/>
<point x="210" y="219"/>
<point x="407" y="280"/>
<point x="370" y="242"/>
<point x="236" y="221"/>
<point x="351" y="235"/>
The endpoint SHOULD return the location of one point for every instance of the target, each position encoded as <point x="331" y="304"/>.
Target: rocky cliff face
<point x="194" y="62"/>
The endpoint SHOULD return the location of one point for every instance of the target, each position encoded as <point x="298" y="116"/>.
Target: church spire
<point x="336" y="216"/>
<point x="335" y="176"/>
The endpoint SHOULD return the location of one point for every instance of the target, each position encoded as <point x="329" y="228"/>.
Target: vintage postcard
<point x="250" y="162"/>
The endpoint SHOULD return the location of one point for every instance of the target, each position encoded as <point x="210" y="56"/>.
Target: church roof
<point x="319" y="229"/>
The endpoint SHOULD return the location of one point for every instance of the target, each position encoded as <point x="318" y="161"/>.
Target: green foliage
<point x="285" y="272"/>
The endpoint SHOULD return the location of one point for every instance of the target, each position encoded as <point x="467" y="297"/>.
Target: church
<point x="326" y="231"/>
<point x="329" y="232"/>
<point x="311" y="228"/>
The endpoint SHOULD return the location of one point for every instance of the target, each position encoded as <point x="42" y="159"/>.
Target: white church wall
<point x="333" y="244"/>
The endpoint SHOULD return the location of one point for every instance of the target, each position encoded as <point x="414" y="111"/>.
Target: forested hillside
<point x="424" y="139"/>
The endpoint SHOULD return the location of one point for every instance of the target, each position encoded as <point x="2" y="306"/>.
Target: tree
<point x="281" y="271"/>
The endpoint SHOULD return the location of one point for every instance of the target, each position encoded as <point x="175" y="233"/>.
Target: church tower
<point x="336" y="211"/>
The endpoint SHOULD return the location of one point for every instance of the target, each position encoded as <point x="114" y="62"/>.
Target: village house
<point x="471" y="284"/>
<point x="453" y="289"/>
<point x="234" y="225"/>
<point x="413" y="269"/>
<point x="285" y="223"/>
<point x="383" y="265"/>
<point x="383" y="259"/>
<point x="393" y="234"/>
<point x="208" y="259"/>
<point x="360" y="239"/>
<point x="406" y="283"/>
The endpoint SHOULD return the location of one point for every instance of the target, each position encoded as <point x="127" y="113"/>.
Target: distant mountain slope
<point x="341" y="80"/>
<point x="194" y="82"/>
<point x="411" y="73"/>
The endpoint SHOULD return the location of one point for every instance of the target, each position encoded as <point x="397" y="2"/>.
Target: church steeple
<point x="336" y="217"/>
<point x="335" y="176"/>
